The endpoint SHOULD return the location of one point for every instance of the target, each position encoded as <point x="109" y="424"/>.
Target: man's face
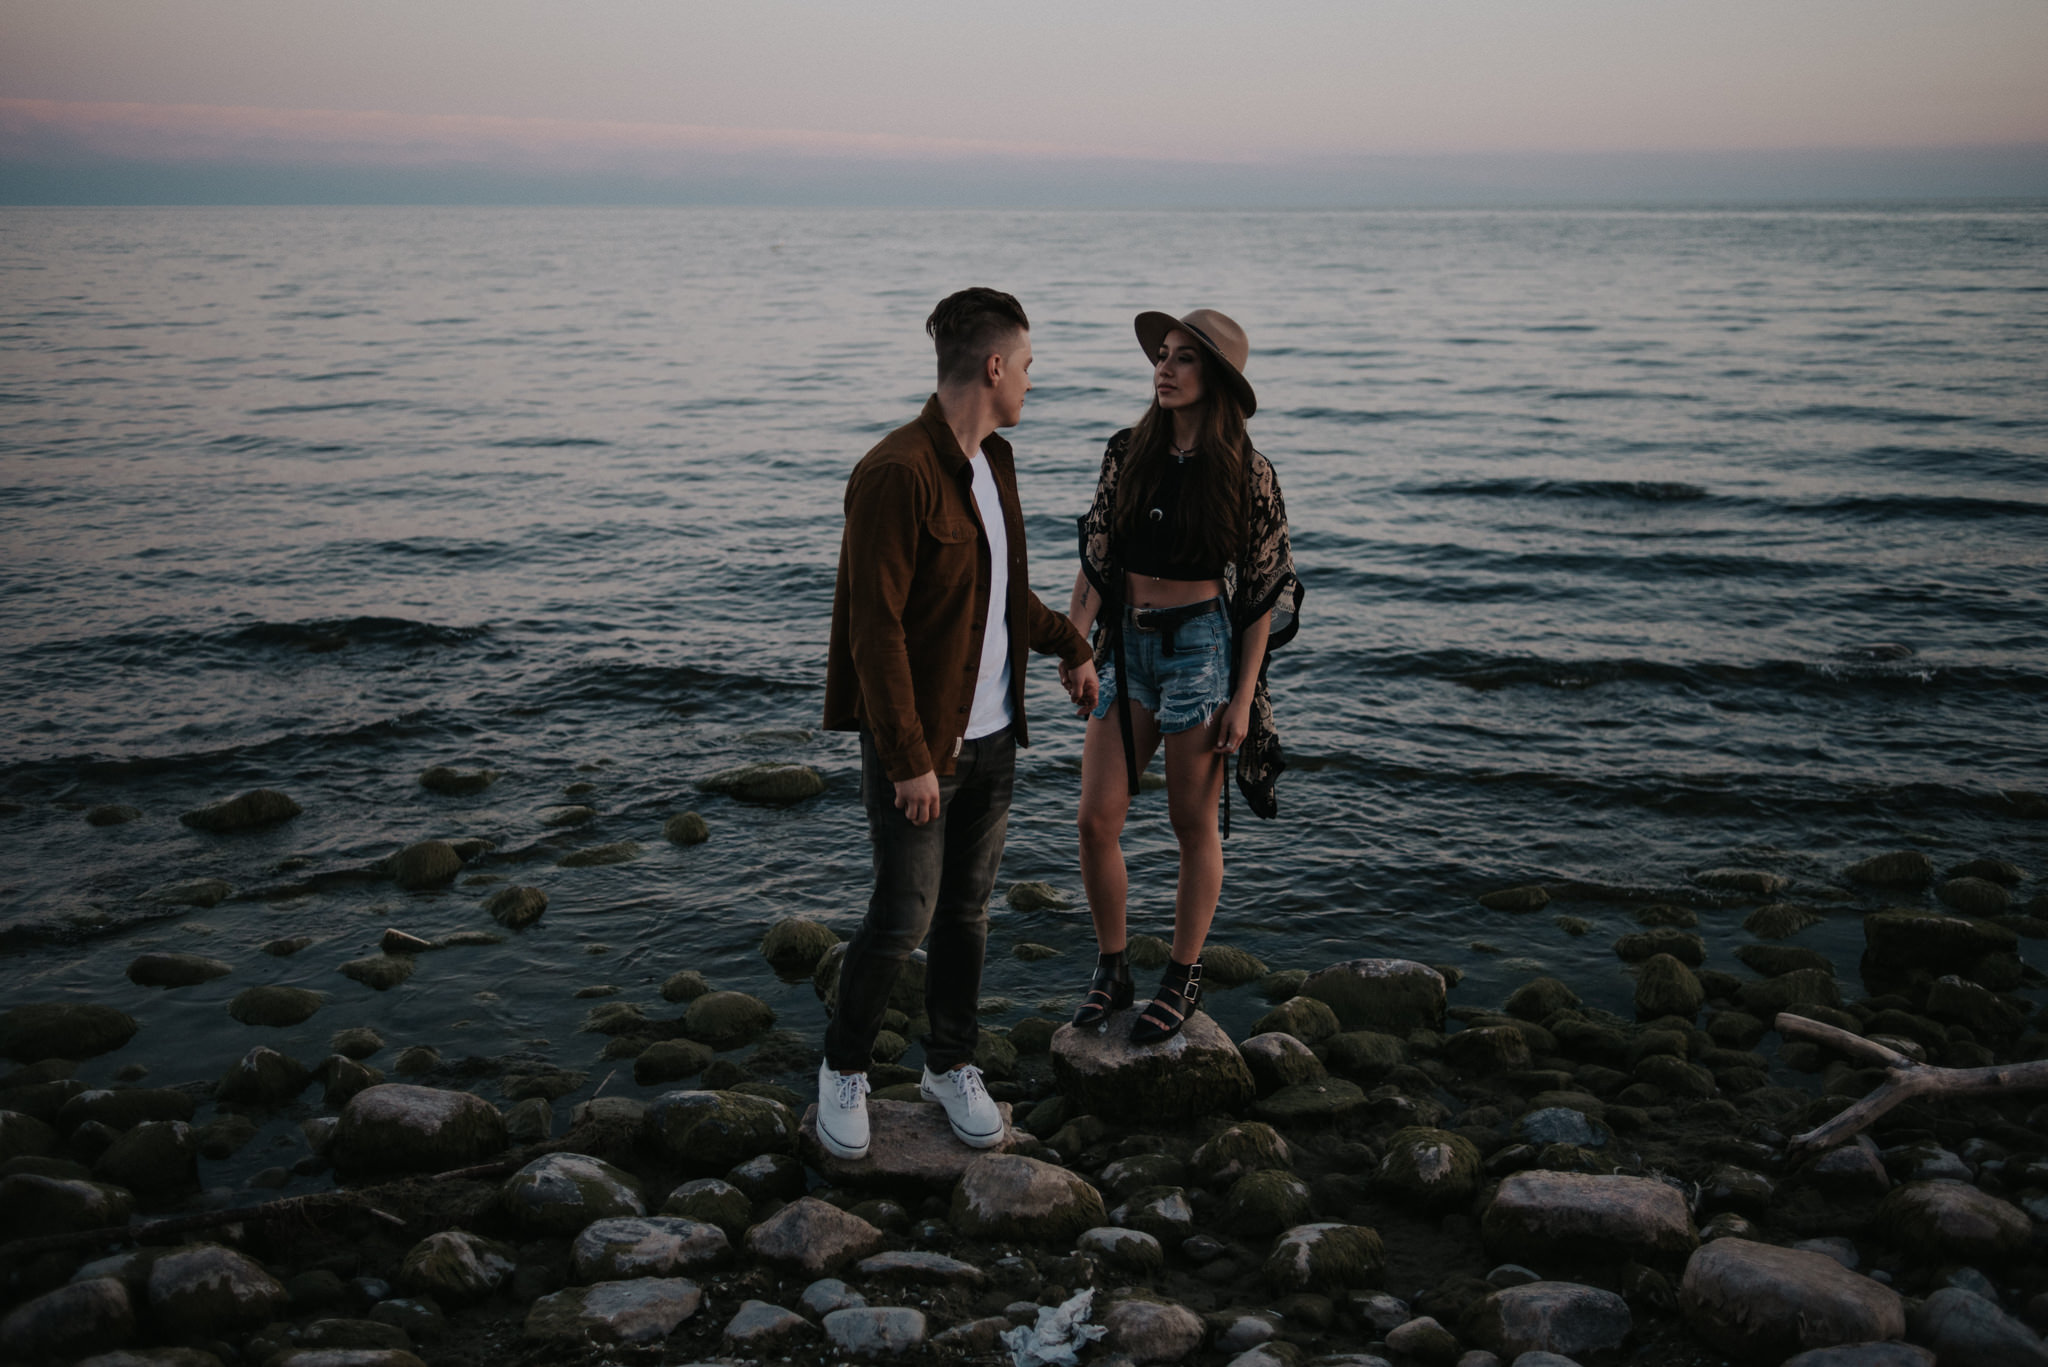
<point x="1013" y="380"/>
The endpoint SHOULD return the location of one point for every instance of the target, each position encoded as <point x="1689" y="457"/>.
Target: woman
<point x="1186" y="568"/>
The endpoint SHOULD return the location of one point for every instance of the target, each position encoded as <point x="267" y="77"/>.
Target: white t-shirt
<point x="991" y="709"/>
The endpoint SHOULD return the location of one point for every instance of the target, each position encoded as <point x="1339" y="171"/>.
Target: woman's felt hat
<point x="1216" y="334"/>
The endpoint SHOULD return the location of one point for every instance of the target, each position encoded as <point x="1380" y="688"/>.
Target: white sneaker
<point x="973" y="1114"/>
<point x="842" y="1112"/>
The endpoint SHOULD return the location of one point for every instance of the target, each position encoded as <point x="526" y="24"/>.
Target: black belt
<point x="1164" y="622"/>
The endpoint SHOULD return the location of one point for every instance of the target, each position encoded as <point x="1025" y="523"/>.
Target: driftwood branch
<point x="1905" y="1079"/>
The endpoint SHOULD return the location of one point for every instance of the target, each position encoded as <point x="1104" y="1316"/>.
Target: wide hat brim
<point x="1213" y="332"/>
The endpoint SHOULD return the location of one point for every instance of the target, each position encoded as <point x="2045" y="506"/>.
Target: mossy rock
<point x="1305" y="1018"/>
<point x="275" y="1006"/>
<point x="1278" y="1060"/>
<point x="1684" y="946"/>
<point x="686" y="828"/>
<point x="425" y="864"/>
<point x="263" y="1077"/>
<point x="1526" y="897"/>
<point x="715" y="1131"/>
<point x="456" y="1266"/>
<point x="905" y="995"/>
<point x="1540" y="998"/>
<point x="1775" y="961"/>
<point x="1264" y="1202"/>
<point x="712" y="1201"/>
<point x="1487" y="1049"/>
<point x="113" y="814"/>
<point x="175" y="970"/>
<point x="1897" y="869"/>
<point x="1281" y="984"/>
<point x="1247" y="1147"/>
<point x="1326" y="1259"/>
<point x="1666" y="987"/>
<point x="727" y="1020"/>
<point x="72" y="1030"/>
<point x="380" y="971"/>
<point x="670" y="1060"/>
<point x="1229" y="966"/>
<point x="765" y="783"/>
<point x="562" y="1193"/>
<point x="1429" y="1168"/>
<point x="995" y="1056"/>
<point x="684" y="985"/>
<point x="597" y="856"/>
<point x="1148" y="951"/>
<point x="191" y="892"/>
<point x="1036" y="897"/>
<point x="1800" y="987"/>
<point x="1395" y="995"/>
<point x="1780" y="920"/>
<point x="1327" y="1101"/>
<point x="1032" y="1036"/>
<point x="1667" y="914"/>
<point x="516" y="908"/>
<point x="561" y="818"/>
<point x="1363" y="1055"/>
<point x="794" y="945"/>
<point x="1905" y="942"/>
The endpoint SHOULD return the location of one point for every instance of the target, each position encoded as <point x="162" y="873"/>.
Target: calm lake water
<point x="1636" y="544"/>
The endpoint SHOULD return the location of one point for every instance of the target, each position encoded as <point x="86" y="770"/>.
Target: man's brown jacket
<point x="912" y="600"/>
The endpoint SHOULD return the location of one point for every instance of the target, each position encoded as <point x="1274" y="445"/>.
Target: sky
<point x="1130" y="101"/>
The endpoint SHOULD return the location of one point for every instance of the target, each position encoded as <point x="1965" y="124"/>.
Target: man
<point x="930" y="621"/>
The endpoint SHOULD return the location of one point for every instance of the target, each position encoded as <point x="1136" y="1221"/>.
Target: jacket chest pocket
<point x="950" y="530"/>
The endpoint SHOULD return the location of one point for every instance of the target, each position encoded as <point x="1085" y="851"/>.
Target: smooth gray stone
<point x="875" y="1331"/>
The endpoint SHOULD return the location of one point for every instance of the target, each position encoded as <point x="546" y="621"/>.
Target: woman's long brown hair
<point x="1211" y="509"/>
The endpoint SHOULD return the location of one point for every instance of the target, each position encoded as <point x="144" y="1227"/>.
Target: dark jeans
<point x="935" y="877"/>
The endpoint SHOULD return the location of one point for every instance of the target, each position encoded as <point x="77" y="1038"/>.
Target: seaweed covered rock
<point x="711" y="1201"/>
<point x="712" y="1131"/>
<point x="1239" y="1149"/>
<point x="1147" y="1330"/>
<point x="1428" y="1167"/>
<point x="1540" y="998"/>
<point x="1197" y="1072"/>
<point x="174" y="970"/>
<point x="794" y="945"/>
<point x="517" y="907"/>
<point x="727" y="1020"/>
<point x="263" y="1077"/>
<point x="561" y="1193"/>
<point x="1754" y="1300"/>
<point x="1903" y="942"/>
<point x="424" y="864"/>
<point x="36" y="1203"/>
<point x="1666" y="987"/>
<point x="1305" y="1018"/>
<point x="1279" y="1060"/>
<point x="275" y="1005"/>
<point x="1896" y="869"/>
<point x="1265" y="1202"/>
<point x="1394" y="995"/>
<point x="1325" y="1258"/>
<point x="396" y="1127"/>
<point x="1008" y="1196"/>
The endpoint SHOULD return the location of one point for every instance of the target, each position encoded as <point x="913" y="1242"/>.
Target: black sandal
<point x="1109" y="990"/>
<point x="1179" y="991"/>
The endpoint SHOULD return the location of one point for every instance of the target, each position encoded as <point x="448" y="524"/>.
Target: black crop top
<point x="1153" y="546"/>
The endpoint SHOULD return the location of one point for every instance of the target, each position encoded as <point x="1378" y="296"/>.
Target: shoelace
<point x="969" y="1084"/>
<point x="852" y="1087"/>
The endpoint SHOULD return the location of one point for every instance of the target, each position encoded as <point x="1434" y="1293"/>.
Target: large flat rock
<point x="910" y="1146"/>
<point x="1535" y="1214"/>
<point x="1197" y="1072"/>
<point x="1760" y="1301"/>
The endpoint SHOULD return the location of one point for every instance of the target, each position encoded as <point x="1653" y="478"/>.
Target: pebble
<point x="758" y="1325"/>
<point x="875" y="1331"/>
<point x="827" y="1294"/>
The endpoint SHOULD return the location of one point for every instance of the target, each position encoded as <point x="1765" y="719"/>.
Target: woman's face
<point x="1177" y="372"/>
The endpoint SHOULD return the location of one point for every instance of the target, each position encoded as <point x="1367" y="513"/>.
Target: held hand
<point x="1232" y="726"/>
<point x="918" y="798"/>
<point x="1084" y="689"/>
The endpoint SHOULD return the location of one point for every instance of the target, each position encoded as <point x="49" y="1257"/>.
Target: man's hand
<point x="918" y="798"/>
<point x="1083" y="688"/>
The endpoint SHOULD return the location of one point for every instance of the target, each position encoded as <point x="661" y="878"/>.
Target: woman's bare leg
<point x="1105" y="800"/>
<point x="1194" y="782"/>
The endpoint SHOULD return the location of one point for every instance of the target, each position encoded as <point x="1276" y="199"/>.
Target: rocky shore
<point x="1379" y="1172"/>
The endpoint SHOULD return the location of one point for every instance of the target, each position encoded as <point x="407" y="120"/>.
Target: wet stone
<point x="875" y="1331"/>
<point x="174" y="970"/>
<point x="1328" y="1101"/>
<point x="827" y="1294"/>
<point x="758" y="1325"/>
<point x="453" y="782"/>
<point x="112" y="814"/>
<point x="1539" y="1214"/>
<point x="72" y="1321"/>
<point x="712" y="1201"/>
<point x="1890" y="1354"/>
<point x="1527" y="897"/>
<point x="685" y="828"/>
<point x="765" y="783"/>
<point x="263" y="1077"/>
<point x="598" y="856"/>
<point x="1132" y="1250"/>
<point x="206" y="1291"/>
<point x="1006" y="1196"/>
<point x="911" y="1146"/>
<point x="809" y="1236"/>
<point x="1392" y="995"/>
<point x="1428" y="1167"/>
<point x="381" y="972"/>
<point x="656" y="1246"/>
<point x="1240" y="1149"/>
<point x="1304" y="1018"/>
<point x="427" y="864"/>
<point x="1197" y="1072"/>
<point x="1779" y="920"/>
<point x="1974" y="896"/>
<point x="1279" y="1060"/>
<point x="1953" y="1220"/>
<point x="155" y="1158"/>
<point x="1328" y="1258"/>
<point x="1560" y="1125"/>
<point x="1963" y="1327"/>
<point x="398" y="1127"/>
<point x="1897" y="869"/>
<point x="794" y="945"/>
<point x="1265" y="1202"/>
<point x="1153" y="1331"/>
<point x="642" y="1310"/>
<point x="516" y="907"/>
<point x="918" y="1265"/>
<point x="1163" y="1212"/>
<point x="71" y="1030"/>
<point x="715" y="1130"/>
<point x="727" y="1020"/>
<point x="252" y="810"/>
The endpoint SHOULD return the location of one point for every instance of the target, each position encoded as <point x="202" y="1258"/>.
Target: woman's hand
<point x="1235" y="725"/>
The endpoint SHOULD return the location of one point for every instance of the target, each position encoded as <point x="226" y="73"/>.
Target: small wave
<point x="546" y="443"/>
<point x="1876" y="668"/>
<point x="1960" y="508"/>
<point x="335" y="633"/>
<point x="285" y="410"/>
<point x="677" y="688"/>
<point x="1627" y="490"/>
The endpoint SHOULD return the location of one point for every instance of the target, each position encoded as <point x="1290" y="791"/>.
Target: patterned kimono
<point x="1258" y="582"/>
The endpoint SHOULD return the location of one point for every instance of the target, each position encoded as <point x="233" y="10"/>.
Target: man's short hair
<point x="968" y="327"/>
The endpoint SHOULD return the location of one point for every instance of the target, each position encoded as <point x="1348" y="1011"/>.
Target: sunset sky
<point x="786" y="101"/>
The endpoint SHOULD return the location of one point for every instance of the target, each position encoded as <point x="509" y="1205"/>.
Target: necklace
<point x="1183" y="454"/>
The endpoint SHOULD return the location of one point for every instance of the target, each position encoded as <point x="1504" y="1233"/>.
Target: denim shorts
<point x="1182" y="689"/>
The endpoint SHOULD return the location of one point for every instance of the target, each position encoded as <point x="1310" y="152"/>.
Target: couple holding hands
<point x="1188" y="582"/>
